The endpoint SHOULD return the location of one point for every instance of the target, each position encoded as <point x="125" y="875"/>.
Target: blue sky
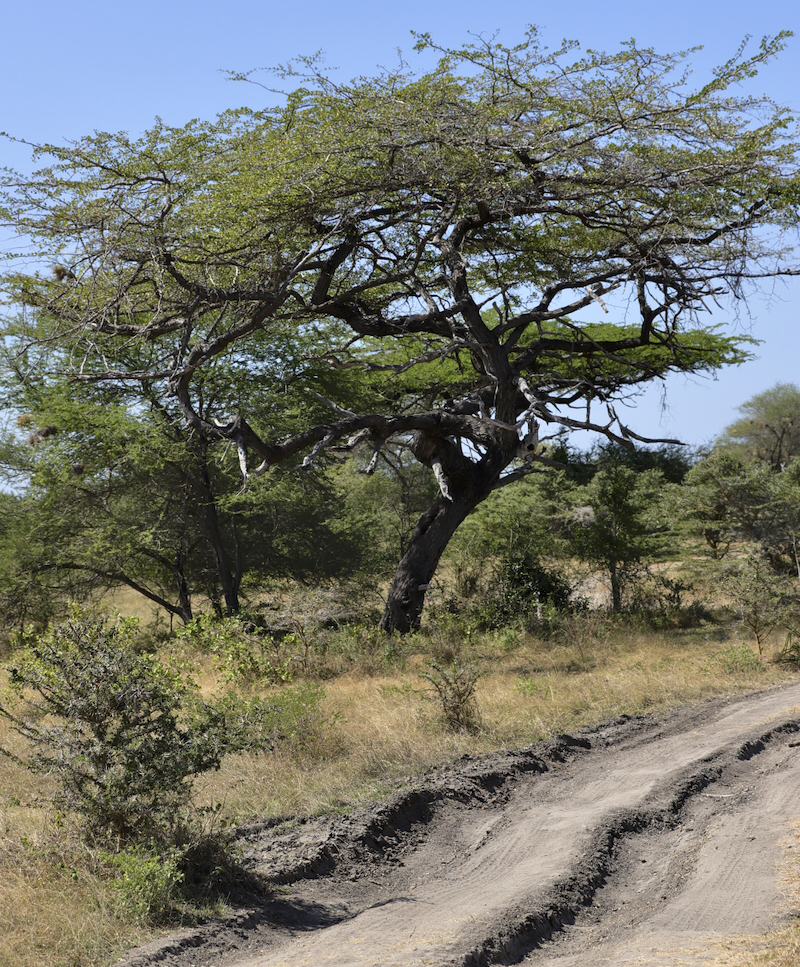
<point x="69" y="69"/>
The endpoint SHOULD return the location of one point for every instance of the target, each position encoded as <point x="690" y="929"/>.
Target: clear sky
<point x="71" y="68"/>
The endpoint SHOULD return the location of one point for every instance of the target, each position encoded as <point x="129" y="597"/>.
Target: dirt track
<point x="635" y="844"/>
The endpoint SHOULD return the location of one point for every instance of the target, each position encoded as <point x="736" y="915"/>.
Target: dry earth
<point x="642" y="842"/>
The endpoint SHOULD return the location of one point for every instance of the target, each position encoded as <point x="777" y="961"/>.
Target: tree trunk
<point x="418" y="565"/>
<point x="184" y="609"/>
<point x="229" y="584"/>
<point x="613" y="568"/>
<point x="466" y="483"/>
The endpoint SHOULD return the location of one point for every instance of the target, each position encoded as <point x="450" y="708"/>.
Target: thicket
<point x="122" y="736"/>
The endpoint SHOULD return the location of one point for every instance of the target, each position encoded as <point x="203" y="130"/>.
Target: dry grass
<point x="382" y="725"/>
<point x="56" y="909"/>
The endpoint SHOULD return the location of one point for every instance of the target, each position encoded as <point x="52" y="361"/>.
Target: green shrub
<point x="455" y="686"/>
<point x="737" y="658"/>
<point x="244" y="654"/>
<point x="523" y="585"/>
<point x="124" y="736"/>
<point x="148" y="883"/>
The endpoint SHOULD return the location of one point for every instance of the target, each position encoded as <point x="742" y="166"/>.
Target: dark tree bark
<point x="228" y="579"/>
<point x="417" y="566"/>
<point x="468" y="484"/>
<point x="184" y="609"/>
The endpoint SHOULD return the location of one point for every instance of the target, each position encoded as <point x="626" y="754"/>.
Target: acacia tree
<point x="453" y="237"/>
<point x="769" y="427"/>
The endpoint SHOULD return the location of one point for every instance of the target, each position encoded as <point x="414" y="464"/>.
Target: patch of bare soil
<point x="638" y="843"/>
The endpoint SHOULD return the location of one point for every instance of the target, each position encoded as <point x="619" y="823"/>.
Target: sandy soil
<point x="643" y="842"/>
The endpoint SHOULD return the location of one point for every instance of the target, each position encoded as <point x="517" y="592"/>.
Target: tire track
<point x="620" y="844"/>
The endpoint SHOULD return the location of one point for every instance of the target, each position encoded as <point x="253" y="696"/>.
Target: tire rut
<point x="586" y="843"/>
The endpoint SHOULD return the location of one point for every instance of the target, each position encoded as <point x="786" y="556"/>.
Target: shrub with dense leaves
<point x="122" y="734"/>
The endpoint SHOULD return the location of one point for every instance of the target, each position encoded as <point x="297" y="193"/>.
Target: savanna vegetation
<point x="393" y="294"/>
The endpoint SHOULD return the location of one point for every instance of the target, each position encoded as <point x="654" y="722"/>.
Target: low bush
<point x="455" y="686"/>
<point x="124" y="735"/>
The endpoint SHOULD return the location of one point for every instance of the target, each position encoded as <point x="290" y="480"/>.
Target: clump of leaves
<point x="524" y="585"/>
<point x="148" y="882"/>
<point x="245" y="654"/>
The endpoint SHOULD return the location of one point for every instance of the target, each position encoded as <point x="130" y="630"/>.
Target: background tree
<point x="604" y="508"/>
<point x="113" y="491"/>
<point x="769" y="429"/>
<point x="733" y="500"/>
<point x="455" y="236"/>
<point x="612" y="524"/>
<point x="748" y="488"/>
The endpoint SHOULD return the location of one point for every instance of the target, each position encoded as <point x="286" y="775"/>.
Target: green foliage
<point x="384" y="506"/>
<point x="673" y="462"/>
<point x="244" y="654"/>
<point x="523" y="585"/>
<point x="608" y="509"/>
<point x="614" y="524"/>
<point x="729" y="499"/>
<point x="123" y="735"/>
<point x="509" y="555"/>
<point x="148" y="882"/>
<point x="759" y="596"/>
<point x="532" y="686"/>
<point x="117" y="493"/>
<point x="404" y="263"/>
<point x="737" y="658"/>
<point x="769" y="429"/>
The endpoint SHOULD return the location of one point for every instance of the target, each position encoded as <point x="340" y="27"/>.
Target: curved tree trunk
<point x="418" y="565"/>
<point x="468" y="484"/>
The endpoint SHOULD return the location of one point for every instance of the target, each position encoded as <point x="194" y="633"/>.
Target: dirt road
<point x="639" y="843"/>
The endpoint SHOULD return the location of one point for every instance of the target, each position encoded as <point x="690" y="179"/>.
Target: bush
<point x="455" y="685"/>
<point x="759" y="595"/>
<point x="148" y="883"/>
<point x="737" y="658"/>
<point x="523" y="585"/>
<point x="124" y="736"/>
<point x="244" y="653"/>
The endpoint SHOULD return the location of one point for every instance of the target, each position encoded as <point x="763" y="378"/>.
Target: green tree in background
<point x="769" y="428"/>
<point x="613" y="523"/>
<point x="456" y="263"/>
<point x="112" y="490"/>
<point x="731" y="499"/>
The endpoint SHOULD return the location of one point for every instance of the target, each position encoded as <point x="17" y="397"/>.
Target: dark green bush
<point x="524" y="584"/>
<point x="124" y="736"/>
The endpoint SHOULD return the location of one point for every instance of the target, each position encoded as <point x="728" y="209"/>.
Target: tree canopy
<point x="455" y="262"/>
<point x="769" y="427"/>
